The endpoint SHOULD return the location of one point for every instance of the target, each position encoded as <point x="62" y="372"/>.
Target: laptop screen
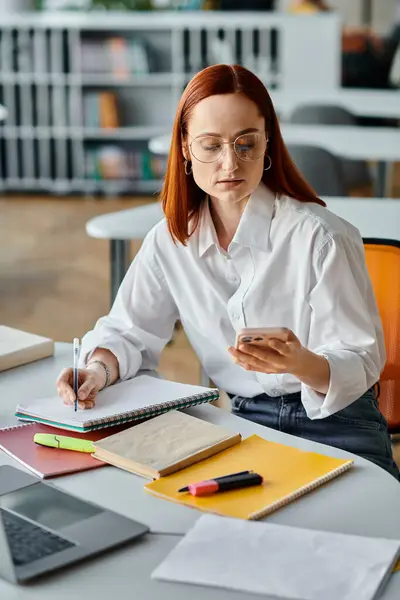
<point x="48" y="506"/>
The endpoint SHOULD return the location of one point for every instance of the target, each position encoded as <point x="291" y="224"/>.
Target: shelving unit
<point x="45" y="142"/>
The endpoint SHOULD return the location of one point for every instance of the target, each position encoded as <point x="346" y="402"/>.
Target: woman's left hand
<point x="277" y="357"/>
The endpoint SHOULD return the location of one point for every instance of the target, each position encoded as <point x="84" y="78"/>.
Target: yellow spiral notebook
<point x="288" y="474"/>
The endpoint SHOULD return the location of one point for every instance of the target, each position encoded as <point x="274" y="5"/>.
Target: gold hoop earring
<point x="186" y="169"/>
<point x="270" y="163"/>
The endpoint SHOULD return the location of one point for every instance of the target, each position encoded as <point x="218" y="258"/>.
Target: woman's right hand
<point x="90" y="381"/>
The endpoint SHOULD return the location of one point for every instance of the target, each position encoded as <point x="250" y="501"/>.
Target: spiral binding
<point x="149" y="411"/>
<point x="12" y="427"/>
<point x="301" y="491"/>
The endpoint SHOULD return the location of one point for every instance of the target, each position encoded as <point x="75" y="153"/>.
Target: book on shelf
<point x="117" y="55"/>
<point x="118" y="162"/>
<point x="100" y="110"/>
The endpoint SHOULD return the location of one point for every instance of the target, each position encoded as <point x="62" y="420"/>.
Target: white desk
<point x="374" y="217"/>
<point x="366" y="143"/>
<point x="360" y="102"/>
<point x="128" y="224"/>
<point x="364" y="501"/>
<point x="381" y="144"/>
<point x="119" y="228"/>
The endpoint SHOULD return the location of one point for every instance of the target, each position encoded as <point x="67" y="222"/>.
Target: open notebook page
<point x="139" y="392"/>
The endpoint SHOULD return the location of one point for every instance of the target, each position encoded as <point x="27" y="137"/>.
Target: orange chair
<point x="383" y="262"/>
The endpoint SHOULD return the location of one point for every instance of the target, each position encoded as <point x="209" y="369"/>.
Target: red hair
<point x="181" y="197"/>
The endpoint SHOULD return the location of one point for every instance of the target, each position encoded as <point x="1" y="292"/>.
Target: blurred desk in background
<point x="383" y="104"/>
<point x="373" y="217"/>
<point x="380" y="144"/>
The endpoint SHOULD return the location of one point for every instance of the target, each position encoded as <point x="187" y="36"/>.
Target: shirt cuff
<point x="129" y="358"/>
<point x="348" y="382"/>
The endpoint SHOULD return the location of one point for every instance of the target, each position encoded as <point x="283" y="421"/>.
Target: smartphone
<point x="261" y="335"/>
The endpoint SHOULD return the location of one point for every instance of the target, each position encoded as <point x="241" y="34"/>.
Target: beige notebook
<point x="20" y="347"/>
<point x="165" y="444"/>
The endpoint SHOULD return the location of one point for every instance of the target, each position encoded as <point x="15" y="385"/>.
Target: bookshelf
<point x="85" y="92"/>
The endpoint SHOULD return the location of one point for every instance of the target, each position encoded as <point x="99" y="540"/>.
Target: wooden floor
<point x="54" y="279"/>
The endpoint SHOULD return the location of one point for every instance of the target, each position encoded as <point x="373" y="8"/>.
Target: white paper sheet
<point x="287" y="562"/>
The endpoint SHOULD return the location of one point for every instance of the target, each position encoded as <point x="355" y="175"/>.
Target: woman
<point x="246" y="242"/>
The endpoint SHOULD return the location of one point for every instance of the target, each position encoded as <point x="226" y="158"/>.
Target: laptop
<point x="43" y="528"/>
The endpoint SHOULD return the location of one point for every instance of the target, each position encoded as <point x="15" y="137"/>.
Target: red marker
<point x="229" y="482"/>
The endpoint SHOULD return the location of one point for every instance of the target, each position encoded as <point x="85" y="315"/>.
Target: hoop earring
<point x="186" y="169"/>
<point x="270" y="163"/>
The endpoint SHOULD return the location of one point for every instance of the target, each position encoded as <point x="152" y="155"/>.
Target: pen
<point x="186" y="488"/>
<point x="203" y="488"/>
<point x="76" y="382"/>
<point x="63" y="442"/>
<point x="212" y="486"/>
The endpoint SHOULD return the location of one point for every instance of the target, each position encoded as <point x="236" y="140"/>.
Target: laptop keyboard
<point x="29" y="542"/>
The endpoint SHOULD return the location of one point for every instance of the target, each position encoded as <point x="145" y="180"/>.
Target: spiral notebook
<point x="288" y="474"/>
<point x="136" y="399"/>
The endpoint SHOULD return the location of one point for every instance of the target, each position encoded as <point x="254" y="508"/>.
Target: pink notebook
<point x="46" y="462"/>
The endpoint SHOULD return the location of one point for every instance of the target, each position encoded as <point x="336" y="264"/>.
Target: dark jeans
<point x="359" y="428"/>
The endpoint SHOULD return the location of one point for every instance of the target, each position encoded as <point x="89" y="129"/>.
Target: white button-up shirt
<point x="290" y="264"/>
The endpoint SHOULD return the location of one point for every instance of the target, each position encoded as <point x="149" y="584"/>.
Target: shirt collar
<point x="254" y="226"/>
<point x="207" y="235"/>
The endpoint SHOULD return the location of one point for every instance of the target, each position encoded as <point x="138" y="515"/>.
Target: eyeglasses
<point x="247" y="147"/>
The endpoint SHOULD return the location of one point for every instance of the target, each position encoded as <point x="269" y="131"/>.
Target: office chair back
<point x="321" y="169"/>
<point x="355" y="172"/>
<point x="383" y="262"/>
<point x="322" y="114"/>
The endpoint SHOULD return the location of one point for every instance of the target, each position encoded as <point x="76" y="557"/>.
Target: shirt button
<point x="235" y="316"/>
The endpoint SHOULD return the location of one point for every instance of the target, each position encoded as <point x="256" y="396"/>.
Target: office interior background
<point x="88" y="92"/>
